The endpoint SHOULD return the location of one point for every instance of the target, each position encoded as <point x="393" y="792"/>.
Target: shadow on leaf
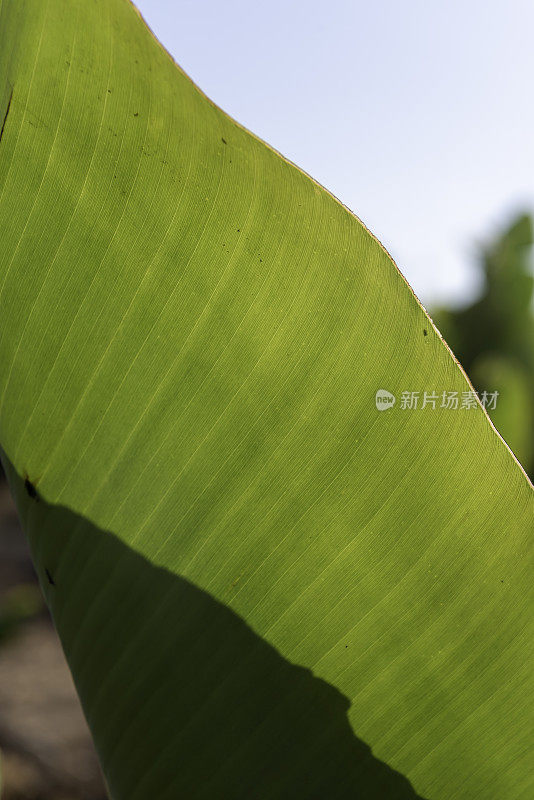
<point x="184" y="700"/>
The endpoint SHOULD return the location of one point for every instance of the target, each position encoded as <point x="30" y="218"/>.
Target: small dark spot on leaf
<point x="136" y="113"/>
<point x="31" y="491"/>
<point x="5" y="116"/>
<point x="239" y="230"/>
<point x="109" y="91"/>
<point x="50" y="578"/>
<point x="223" y="140"/>
<point x="425" y="332"/>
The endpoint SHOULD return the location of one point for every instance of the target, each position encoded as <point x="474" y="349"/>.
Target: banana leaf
<point x="268" y="580"/>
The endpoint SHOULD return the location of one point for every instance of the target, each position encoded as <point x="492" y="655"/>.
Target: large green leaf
<point x="257" y="575"/>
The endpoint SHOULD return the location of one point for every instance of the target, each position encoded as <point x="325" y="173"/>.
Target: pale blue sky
<point x="418" y="114"/>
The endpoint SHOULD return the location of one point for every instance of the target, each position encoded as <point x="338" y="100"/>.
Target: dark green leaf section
<point x="192" y="336"/>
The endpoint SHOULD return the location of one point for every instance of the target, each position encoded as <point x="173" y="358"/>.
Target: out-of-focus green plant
<point x="494" y="337"/>
<point x="20" y="604"/>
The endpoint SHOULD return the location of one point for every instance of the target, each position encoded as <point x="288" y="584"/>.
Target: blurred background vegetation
<point x="493" y="338"/>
